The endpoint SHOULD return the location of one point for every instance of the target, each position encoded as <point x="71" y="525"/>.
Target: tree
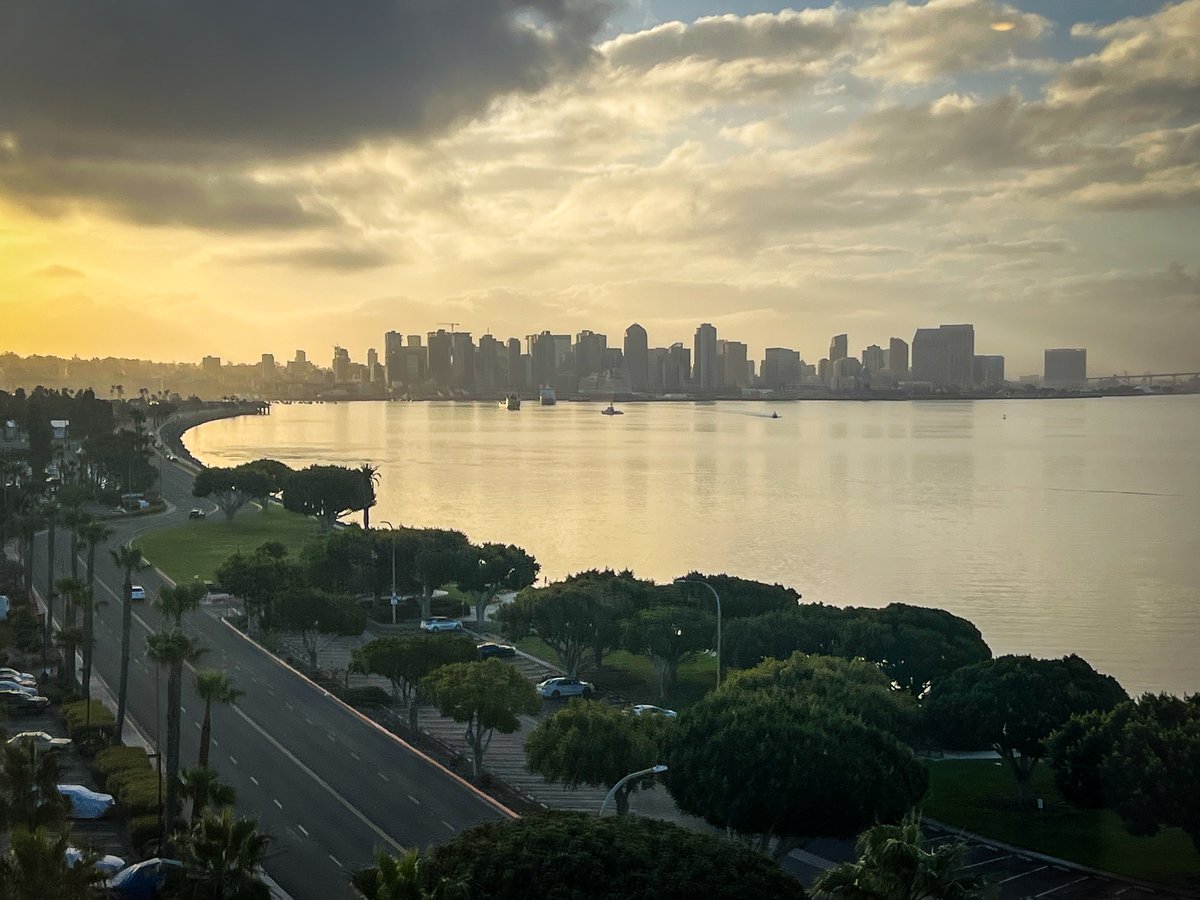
<point x="75" y="594"/>
<point x="1140" y="759"/>
<point x="223" y="858"/>
<point x="36" y="867"/>
<point x="174" y="601"/>
<point x="893" y="864"/>
<point x="488" y="696"/>
<point x="406" y="660"/>
<point x="212" y="686"/>
<point x="275" y="473"/>
<point x="93" y="534"/>
<point x="597" y="745"/>
<point x="231" y="488"/>
<point x="172" y="649"/>
<point x="312" y="612"/>
<point x="809" y="628"/>
<point x="1013" y="704"/>
<point x="497" y="566"/>
<point x="437" y="556"/>
<point x="405" y="877"/>
<point x="622" y="595"/>
<point x="740" y="597"/>
<point x="370" y="478"/>
<point x="130" y="559"/>
<point x="29" y="796"/>
<point x="915" y="646"/>
<point x="259" y="579"/>
<point x="571" y="856"/>
<point x="202" y="786"/>
<point x="327" y="492"/>
<point x="670" y="636"/>
<point x="569" y="619"/>
<point x="778" y="769"/>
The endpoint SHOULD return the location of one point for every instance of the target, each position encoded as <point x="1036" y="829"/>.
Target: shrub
<point x="88" y="735"/>
<point x="137" y="794"/>
<point x="113" y="761"/>
<point x="364" y="695"/>
<point x="143" y="831"/>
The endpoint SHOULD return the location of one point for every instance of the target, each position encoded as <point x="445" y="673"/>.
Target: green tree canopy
<point x="571" y="620"/>
<point x="670" y="636"/>
<point x="1014" y="703"/>
<point x="498" y="567"/>
<point x="406" y="659"/>
<point x="571" y="856"/>
<point x="36" y="868"/>
<point x="809" y="628"/>
<point x="1141" y="759"/>
<point x="597" y="745"/>
<point x="487" y="696"/>
<point x="779" y="768"/>
<point x="326" y="492"/>
<point x="740" y="597"/>
<point x="231" y="488"/>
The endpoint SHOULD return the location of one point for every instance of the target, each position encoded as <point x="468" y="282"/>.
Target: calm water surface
<point x="1056" y="526"/>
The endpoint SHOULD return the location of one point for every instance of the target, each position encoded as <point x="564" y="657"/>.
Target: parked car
<point x="562" y="686"/>
<point x="7" y="684"/>
<point x="86" y="803"/>
<point x="107" y="865"/>
<point x="24" y="678"/>
<point x="18" y="702"/>
<point x="645" y="709"/>
<point x="4" y="606"/>
<point x="441" y="623"/>
<point x="137" y="592"/>
<point x="196" y="514"/>
<point x="498" y="651"/>
<point x="145" y="880"/>
<point x="39" y="739"/>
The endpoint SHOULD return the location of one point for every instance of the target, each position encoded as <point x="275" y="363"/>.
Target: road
<point x="329" y="787"/>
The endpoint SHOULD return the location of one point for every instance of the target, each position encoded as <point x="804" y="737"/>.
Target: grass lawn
<point x="198" y="547"/>
<point x="979" y="795"/>
<point x="631" y="676"/>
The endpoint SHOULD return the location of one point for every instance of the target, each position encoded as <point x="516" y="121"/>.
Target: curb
<point x="495" y="804"/>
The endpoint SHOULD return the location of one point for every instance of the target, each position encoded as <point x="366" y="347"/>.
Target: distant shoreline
<point x="172" y="431"/>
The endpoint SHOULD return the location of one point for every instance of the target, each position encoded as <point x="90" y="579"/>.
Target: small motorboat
<point x="774" y="415"/>
<point x="511" y="401"/>
<point x="611" y="410"/>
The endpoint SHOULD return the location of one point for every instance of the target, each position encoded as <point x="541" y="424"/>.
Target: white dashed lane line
<point x="414" y="799"/>
<point x="381" y="775"/>
<point x="335" y="861"/>
<point x="233" y="759"/>
<point x="303" y="830"/>
<point x="277" y="803"/>
<point x="255" y="780"/>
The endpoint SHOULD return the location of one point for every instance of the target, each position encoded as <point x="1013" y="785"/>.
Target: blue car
<point x="145" y="880"/>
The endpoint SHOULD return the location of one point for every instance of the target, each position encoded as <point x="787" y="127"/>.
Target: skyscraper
<point x="462" y="361"/>
<point x="1065" y="368"/>
<point x="637" y="358"/>
<point x="341" y="365"/>
<point x="897" y="361"/>
<point x="589" y="352"/>
<point x="989" y="371"/>
<point x="439" y="356"/>
<point x="872" y="359"/>
<point x="781" y="368"/>
<point x="705" y="374"/>
<point x="838" y="347"/>
<point x="945" y="356"/>
<point x="393" y="364"/>
<point x="733" y="367"/>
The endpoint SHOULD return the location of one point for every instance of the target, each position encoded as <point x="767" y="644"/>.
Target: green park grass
<point x="196" y="548"/>
<point x="632" y="677"/>
<point x="979" y="795"/>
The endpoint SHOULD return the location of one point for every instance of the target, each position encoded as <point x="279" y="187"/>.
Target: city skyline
<point x="813" y="172"/>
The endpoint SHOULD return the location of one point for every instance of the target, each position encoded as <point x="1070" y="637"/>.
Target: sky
<point x="180" y="179"/>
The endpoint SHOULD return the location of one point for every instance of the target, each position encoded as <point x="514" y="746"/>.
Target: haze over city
<point x="786" y="175"/>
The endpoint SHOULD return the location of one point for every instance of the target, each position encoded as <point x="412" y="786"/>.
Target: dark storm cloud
<point x="184" y="78"/>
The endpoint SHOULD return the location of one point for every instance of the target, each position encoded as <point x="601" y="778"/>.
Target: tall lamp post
<point x="395" y="598"/>
<point x="653" y="770"/>
<point x="716" y="597"/>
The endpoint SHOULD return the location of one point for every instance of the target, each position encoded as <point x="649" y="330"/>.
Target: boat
<point x="611" y="410"/>
<point x="774" y="415"/>
<point x="511" y="401"/>
<point x="547" y="395"/>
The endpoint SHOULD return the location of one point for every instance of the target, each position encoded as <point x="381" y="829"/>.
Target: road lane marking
<point x="197" y="724"/>
<point x="1021" y="874"/>
<point x="277" y="803"/>
<point x="355" y="755"/>
<point x="448" y="825"/>
<point x="381" y="775"/>
<point x="414" y="799"/>
<point x="331" y="737"/>
<point x="336" y="862"/>
<point x="303" y="830"/>
<point x="255" y="780"/>
<point x="233" y="759"/>
<point x="350" y="807"/>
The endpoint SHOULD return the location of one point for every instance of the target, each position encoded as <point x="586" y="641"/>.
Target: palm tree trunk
<point x="205" y="737"/>
<point x="126" y="628"/>
<point x="50" y="542"/>
<point x="28" y="554"/>
<point x="75" y="552"/>
<point x="89" y="621"/>
<point x="174" y="699"/>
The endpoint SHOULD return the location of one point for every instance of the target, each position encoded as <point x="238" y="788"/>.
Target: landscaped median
<point x="979" y="795"/>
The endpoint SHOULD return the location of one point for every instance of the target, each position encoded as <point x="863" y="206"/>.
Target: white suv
<point x="441" y="623"/>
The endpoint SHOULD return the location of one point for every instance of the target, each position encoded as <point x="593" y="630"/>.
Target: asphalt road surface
<point x="329" y="787"/>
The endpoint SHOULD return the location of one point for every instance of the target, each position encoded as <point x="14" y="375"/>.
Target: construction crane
<point x="453" y="325"/>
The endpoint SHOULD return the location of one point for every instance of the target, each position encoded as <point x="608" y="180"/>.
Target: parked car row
<point x="17" y="702"/>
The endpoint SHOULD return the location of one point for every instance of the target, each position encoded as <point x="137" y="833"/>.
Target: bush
<point x="364" y="695"/>
<point x="137" y="794"/>
<point x="89" y="736"/>
<point x="143" y="831"/>
<point x="112" y="761"/>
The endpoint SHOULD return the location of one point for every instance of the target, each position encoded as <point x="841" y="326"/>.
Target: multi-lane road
<point x="329" y="786"/>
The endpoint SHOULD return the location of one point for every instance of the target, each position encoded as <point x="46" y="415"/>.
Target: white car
<point x="20" y="677"/>
<point x="137" y="592"/>
<point x="562" y="686"/>
<point x="10" y="685"/>
<point x="645" y="709"/>
<point x="86" y="803"/>
<point x="108" y="865"/>
<point x="441" y="623"/>
<point x="40" y="739"/>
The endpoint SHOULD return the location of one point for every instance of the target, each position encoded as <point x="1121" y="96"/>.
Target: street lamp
<point x="395" y="599"/>
<point x="716" y="597"/>
<point x="653" y="770"/>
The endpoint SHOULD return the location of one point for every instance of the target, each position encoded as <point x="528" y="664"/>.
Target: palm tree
<point x="173" y="649"/>
<point x="202" y="787"/>
<point x="370" y="478"/>
<point x="892" y="865"/>
<point x="75" y="594"/>
<point x="50" y="515"/>
<point x="405" y="878"/>
<point x="36" y="867"/>
<point x="93" y="534"/>
<point x="180" y="599"/>
<point x="29" y="796"/>
<point x="213" y="686"/>
<point x="223" y="858"/>
<point x="131" y="560"/>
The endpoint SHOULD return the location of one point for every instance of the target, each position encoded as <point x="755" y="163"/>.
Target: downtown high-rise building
<point x="1065" y="367"/>
<point x="439" y="356"/>
<point x="781" y="368"/>
<point x="873" y="358"/>
<point x="839" y="347"/>
<point x="393" y="361"/>
<point x="637" y="359"/>
<point x="732" y="364"/>
<point x="589" y="353"/>
<point x="989" y="371"/>
<point x="945" y="356"/>
<point x="705" y="367"/>
<point x="897" y="358"/>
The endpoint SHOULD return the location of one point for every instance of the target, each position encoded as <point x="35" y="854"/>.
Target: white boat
<point x="547" y="395"/>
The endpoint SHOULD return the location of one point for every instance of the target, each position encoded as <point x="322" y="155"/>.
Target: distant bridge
<point x="1146" y="378"/>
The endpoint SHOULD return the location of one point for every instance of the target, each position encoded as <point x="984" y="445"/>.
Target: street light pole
<point x="395" y="599"/>
<point x="716" y="597"/>
<point x="653" y="770"/>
